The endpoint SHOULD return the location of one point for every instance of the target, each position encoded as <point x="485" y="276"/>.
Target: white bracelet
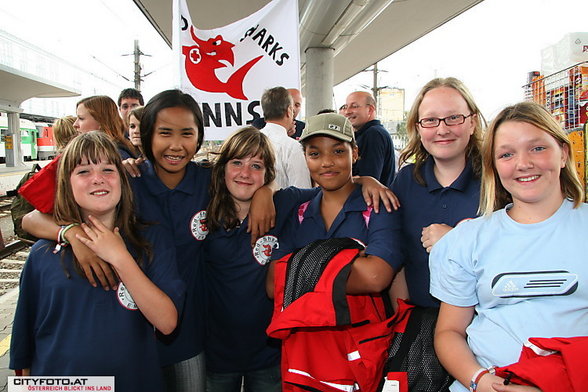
<point x="478" y="376"/>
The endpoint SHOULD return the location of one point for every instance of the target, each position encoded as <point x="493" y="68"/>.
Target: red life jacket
<point x="551" y="364"/>
<point x="331" y="341"/>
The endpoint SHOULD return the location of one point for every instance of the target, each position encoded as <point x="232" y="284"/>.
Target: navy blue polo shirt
<point x="239" y="310"/>
<point x="421" y="206"/>
<point x="181" y="211"/>
<point x="64" y="326"/>
<point x="348" y="223"/>
<point x="376" y="153"/>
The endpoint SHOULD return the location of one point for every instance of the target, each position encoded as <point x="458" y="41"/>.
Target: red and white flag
<point x="227" y="69"/>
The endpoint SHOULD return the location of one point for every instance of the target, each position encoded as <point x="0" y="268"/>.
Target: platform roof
<point x="18" y="86"/>
<point x="362" y="32"/>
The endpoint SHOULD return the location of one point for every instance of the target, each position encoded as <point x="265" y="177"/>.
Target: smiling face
<point x="96" y="189"/>
<point x="528" y="161"/>
<point x="445" y="143"/>
<point x="243" y="177"/>
<point x="329" y="161"/>
<point x="84" y="121"/>
<point x="174" y="143"/>
<point x="358" y="110"/>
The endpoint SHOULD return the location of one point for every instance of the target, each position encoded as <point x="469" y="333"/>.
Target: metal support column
<point x="319" y="79"/>
<point x="12" y="142"/>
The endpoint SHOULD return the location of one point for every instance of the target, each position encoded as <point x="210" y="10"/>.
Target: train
<point x="36" y="140"/>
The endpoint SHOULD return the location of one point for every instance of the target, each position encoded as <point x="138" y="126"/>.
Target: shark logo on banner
<point x="227" y="69"/>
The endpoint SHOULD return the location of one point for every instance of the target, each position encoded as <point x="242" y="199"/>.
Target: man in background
<point x="376" y="150"/>
<point x="129" y="99"/>
<point x="278" y="110"/>
<point x="293" y="132"/>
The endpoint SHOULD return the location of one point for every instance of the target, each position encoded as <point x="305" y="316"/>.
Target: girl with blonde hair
<point x="518" y="271"/>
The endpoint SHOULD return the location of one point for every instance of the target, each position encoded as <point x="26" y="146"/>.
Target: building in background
<point x="391" y="112"/>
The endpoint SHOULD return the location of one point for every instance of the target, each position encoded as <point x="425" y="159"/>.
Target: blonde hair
<point x="64" y="131"/>
<point x="415" y="147"/>
<point x="493" y="195"/>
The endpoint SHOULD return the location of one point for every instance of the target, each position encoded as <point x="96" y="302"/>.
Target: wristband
<point x="64" y="229"/>
<point x="61" y="241"/>
<point x="478" y="376"/>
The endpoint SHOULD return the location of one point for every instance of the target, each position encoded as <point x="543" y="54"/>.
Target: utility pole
<point x="375" y="88"/>
<point x="137" y="64"/>
<point x="137" y="52"/>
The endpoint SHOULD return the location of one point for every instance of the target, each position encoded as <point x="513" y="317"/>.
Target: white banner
<point x="227" y="69"/>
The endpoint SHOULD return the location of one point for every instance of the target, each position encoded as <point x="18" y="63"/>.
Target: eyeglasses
<point x="353" y="106"/>
<point x="454" y="119"/>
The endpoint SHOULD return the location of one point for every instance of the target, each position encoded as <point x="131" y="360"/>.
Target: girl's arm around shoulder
<point x="43" y="226"/>
<point x="156" y="306"/>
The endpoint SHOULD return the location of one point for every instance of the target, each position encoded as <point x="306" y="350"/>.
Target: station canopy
<point x="362" y="32"/>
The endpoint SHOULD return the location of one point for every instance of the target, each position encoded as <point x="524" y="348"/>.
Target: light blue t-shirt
<point x="525" y="280"/>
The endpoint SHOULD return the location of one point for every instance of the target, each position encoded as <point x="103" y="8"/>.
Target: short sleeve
<point x="384" y="238"/>
<point x="452" y="277"/>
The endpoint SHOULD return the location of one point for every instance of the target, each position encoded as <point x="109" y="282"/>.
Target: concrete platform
<point x="10" y="176"/>
<point x="7" y="307"/>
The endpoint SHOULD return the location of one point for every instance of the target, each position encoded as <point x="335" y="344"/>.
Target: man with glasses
<point x="376" y="150"/>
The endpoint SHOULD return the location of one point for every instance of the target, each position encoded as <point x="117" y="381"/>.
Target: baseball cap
<point x="329" y="124"/>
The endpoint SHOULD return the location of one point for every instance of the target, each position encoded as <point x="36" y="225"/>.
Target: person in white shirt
<point x="278" y="110"/>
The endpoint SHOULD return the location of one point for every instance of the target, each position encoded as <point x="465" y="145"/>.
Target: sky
<point x="491" y="47"/>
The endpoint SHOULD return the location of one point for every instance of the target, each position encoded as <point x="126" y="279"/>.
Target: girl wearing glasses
<point x="441" y="187"/>
<point x="520" y="270"/>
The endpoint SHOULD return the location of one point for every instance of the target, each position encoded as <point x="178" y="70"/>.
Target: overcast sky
<point x="491" y="47"/>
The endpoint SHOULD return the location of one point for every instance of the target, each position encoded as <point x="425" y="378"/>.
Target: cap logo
<point x="334" y="127"/>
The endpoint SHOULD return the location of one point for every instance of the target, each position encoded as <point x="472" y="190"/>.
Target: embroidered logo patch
<point x="198" y="225"/>
<point x="125" y="298"/>
<point x="262" y="251"/>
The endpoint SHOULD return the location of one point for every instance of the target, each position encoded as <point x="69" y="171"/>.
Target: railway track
<point x="13" y="254"/>
<point x="12" y="259"/>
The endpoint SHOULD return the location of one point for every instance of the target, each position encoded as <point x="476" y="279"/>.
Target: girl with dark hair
<point x="174" y="190"/>
<point x="65" y="326"/>
<point x="520" y="270"/>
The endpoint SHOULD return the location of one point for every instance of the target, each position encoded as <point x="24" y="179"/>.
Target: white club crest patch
<point x="198" y="225"/>
<point x="125" y="298"/>
<point x="262" y="251"/>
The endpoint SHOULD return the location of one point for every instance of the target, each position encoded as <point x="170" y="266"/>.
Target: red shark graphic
<point x="267" y="250"/>
<point x="205" y="57"/>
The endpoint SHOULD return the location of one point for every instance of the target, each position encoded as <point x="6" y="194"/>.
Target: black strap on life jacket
<point x="306" y="265"/>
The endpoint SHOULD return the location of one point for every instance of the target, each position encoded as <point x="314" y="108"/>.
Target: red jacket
<point x="551" y="364"/>
<point x="331" y="341"/>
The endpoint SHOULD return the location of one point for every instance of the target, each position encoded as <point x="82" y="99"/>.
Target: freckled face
<point x="244" y="176"/>
<point x="529" y="162"/>
<point x="96" y="188"/>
